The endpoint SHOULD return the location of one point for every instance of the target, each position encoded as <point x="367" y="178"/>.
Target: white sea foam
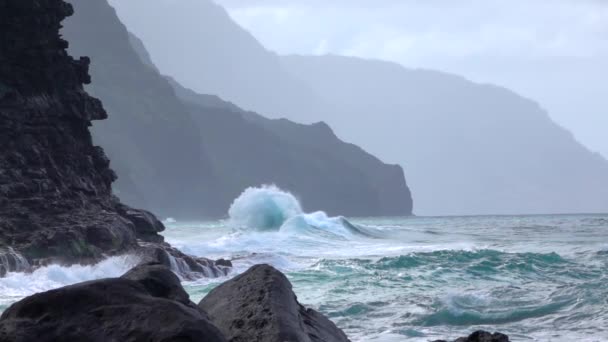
<point x="264" y="208"/>
<point x="18" y="285"/>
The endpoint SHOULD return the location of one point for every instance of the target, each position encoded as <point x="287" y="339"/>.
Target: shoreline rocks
<point x="482" y="336"/>
<point x="148" y="303"/>
<point x="260" y="306"/>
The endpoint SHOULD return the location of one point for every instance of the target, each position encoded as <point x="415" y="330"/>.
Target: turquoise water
<point x="536" y="278"/>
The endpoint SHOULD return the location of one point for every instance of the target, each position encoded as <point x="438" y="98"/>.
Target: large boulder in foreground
<point x="260" y="306"/>
<point x="146" y="304"/>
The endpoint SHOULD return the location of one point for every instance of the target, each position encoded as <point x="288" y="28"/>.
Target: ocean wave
<point x="474" y="262"/>
<point x="471" y="309"/>
<point x="268" y="208"/>
<point x="264" y="208"/>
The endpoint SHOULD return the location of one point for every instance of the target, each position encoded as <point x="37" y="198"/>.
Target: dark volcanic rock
<point x="260" y="306"/>
<point x="482" y="336"/>
<point x="55" y="186"/>
<point x="188" y="267"/>
<point x="146" y="304"/>
<point x="56" y="201"/>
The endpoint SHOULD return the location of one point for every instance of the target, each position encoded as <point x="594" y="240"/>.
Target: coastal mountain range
<point x="187" y="155"/>
<point x="466" y="148"/>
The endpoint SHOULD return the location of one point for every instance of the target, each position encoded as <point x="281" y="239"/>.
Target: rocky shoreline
<point x="148" y="303"/>
<point x="57" y="207"/>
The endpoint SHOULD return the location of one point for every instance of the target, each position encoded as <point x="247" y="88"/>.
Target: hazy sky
<point x="554" y="51"/>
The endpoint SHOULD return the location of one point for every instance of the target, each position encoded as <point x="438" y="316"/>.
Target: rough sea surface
<point x="535" y="278"/>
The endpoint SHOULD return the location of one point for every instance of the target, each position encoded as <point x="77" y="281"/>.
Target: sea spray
<point x="11" y="261"/>
<point x="268" y="208"/>
<point x="264" y="208"/>
<point x="18" y="285"/>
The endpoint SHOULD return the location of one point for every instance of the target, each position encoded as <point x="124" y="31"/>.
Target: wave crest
<point x="268" y="208"/>
<point x="264" y="208"/>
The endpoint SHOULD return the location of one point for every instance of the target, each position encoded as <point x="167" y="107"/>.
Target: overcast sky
<point x="554" y="51"/>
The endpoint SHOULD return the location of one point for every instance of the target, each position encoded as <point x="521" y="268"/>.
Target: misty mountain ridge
<point x="188" y="155"/>
<point x="467" y="148"/>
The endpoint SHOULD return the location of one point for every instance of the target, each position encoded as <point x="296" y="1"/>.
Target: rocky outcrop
<point x="260" y="306"/>
<point x="56" y="201"/>
<point x="482" y="336"/>
<point x="146" y="304"/>
<point x="186" y="266"/>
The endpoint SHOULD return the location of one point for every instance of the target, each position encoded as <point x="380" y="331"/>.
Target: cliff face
<point x="153" y="142"/>
<point x="466" y="148"/>
<point x="190" y="156"/>
<point x="223" y="58"/>
<point x="324" y="172"/>
<point x="56" y="202"/>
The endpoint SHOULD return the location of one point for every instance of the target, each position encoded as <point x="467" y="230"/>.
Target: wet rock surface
<point x="146" y="304"/>
<point x="482" y="336"/>
<point x="260" y="306"/>
<point x="186" y="266"/>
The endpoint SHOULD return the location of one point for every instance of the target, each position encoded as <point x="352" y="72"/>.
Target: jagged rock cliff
<point x="56" y="202"/>
<point x="211" y="151"/>
<point x="55" y="185"/>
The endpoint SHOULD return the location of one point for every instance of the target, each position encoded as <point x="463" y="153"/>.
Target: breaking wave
<point x="268" y="208"/>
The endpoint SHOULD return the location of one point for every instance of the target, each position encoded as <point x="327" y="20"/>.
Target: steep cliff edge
<point x="56" y="202"/>
<point x="55" y="186"/>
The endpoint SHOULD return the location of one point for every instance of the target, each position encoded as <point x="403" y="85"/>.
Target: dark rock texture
<point x="186" y="266"/>
<point x="260" y="306"/>
<point x="482" y="336"/>
<point x="56" y="201"/>
<point x="146" y="304"/>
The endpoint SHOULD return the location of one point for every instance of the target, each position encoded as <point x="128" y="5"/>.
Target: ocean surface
<point x="535" y="278"/>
